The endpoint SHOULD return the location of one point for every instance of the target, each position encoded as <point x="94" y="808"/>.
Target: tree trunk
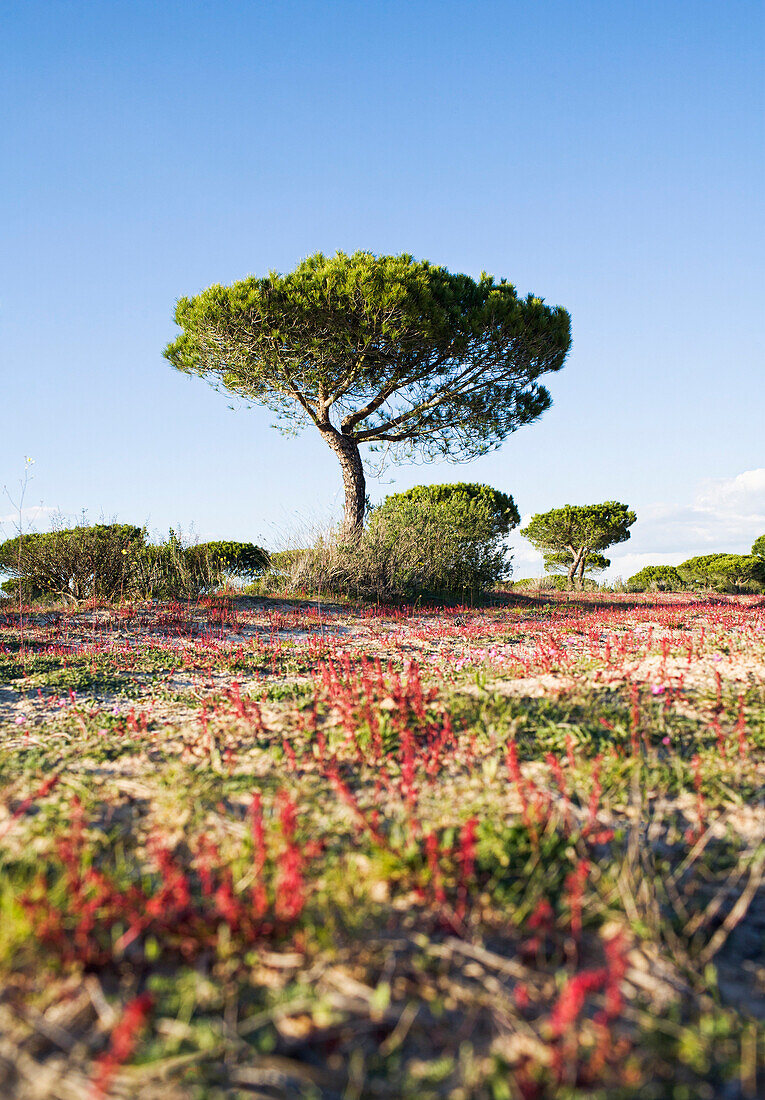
<point x="354" y="482"/>
<point x="578" y="558"/>
<point x="571" y="573"/>
<point x="581" y="572"/>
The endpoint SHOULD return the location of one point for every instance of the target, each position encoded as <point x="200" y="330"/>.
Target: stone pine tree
<point x="578" y="533"/>
<point x="724" y="572"/>
<point x="380" y="351"/>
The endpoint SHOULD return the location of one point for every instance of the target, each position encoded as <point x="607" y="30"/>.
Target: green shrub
<point x="227" y="560"/>
<point x="163" y="571"/>
<point x="554" y="582"/>
<point x="85" y="562"/>
<point x="557" y="582"/>
<point x="442" y="541"/>
<point x="16" y="589"/>
<point x="278" y="576"/>
<point x="480" y="509"/>
<point x="172" y="570"/>
<point x="107" y="561"/>
<point x="656" y="578"/>
<point x="724" y="572"/>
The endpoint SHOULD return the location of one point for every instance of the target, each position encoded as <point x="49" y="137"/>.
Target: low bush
<point x="242" y="561"/>
<point x="279" y="575"/>
<point x="554" y="582"/>
<point x="85" y="562"/>
<point x="656" y="578"/>
<point x="167" y="570"/>
<point x="432" y="542"/>
<point x="109" y="561"/>
<point x="15" y="589"/>
<point x="483" y="512"/>
<point x="557" y="582"/>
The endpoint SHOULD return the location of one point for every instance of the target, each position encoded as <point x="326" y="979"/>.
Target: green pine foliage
<point x="431" y="542"/>
<point x="575" y="535"/>
<point x="724" y="572"/>
<point x="656" y="578"/>
<point x="385" y="351"/>
<point x="240" y="560"/>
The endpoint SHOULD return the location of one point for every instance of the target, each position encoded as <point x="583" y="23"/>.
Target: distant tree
<point x="758" y="548"/>
<point x="656" y="578"/>
<point x="384" y="351"/>
<point x="579" y="531"/>
<point x="724" y="572"/>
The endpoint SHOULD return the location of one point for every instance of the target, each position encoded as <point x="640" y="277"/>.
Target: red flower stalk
<point x="289" y="752"/>
<point x="541" y="918"/>
<point x="237" y="702"/>
<point x="741" y="729"/>
<point x="467" y="849"/>
<point x="575" y="883"/>
<point x="540" y="922"/>
<point x="573" y="996"/>
<point x="514" y="768"/>
<point x="208" y="856"/>
<point x="431" y="851"/>
<point x="121" y="1045"/>
<point x="174" y="896"/>
<point x="443" y="737"/>
<point x="259" y="898"/>
<point x="42" y="791"/>
<point x="227" y="905"/>
<point x="290" y="889"/>
<point x="467" y="862"/>
<point x="560" y="781"/>
<point x="616" y="964"/>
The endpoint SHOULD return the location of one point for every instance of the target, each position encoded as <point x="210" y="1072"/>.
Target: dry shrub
<point x="434" y="546"/>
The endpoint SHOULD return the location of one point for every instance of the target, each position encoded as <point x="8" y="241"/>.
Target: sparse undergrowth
<point x="257" y="848"/>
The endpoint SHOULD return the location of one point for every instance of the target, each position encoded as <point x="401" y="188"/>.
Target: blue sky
<point x="608" y="157"/>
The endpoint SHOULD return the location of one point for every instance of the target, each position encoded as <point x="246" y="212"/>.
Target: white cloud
<point x="743" y="495"/>
<point x="30" y="517"/>
<point x="727" y="514"/>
